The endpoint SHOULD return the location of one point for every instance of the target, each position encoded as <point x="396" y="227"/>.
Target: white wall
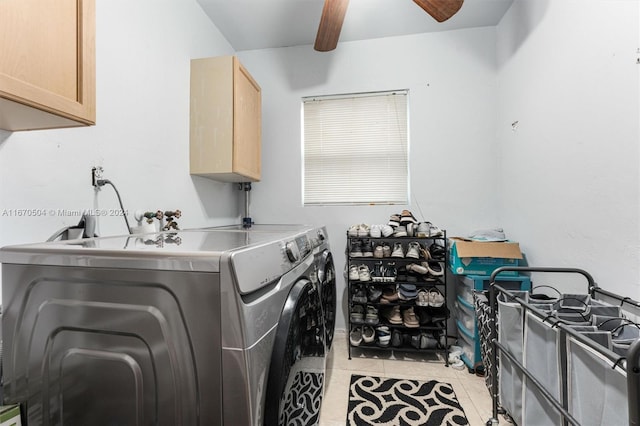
<point x="141" y="138"/>
<point x="569" y="173"/>
<point x="452" y="89"/>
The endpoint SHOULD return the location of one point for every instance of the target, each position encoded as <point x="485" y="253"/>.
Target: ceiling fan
<point x="334" y="10"/>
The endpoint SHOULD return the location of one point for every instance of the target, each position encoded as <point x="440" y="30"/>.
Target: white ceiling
<point x="260" y="24"/>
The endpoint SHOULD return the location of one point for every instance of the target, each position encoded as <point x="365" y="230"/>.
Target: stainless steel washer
<point x="196" y="327"/>
<point x="325" y="275"/>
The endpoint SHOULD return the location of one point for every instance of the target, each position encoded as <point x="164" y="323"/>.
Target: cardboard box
<point x="10" y="415"/>
<point x="482" y="258"/>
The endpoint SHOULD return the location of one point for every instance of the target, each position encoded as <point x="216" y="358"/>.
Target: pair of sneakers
<point x="364" y="315"/>
<point x="361" y="248"/>
<point x="377" y="231"/>
<point x="382" y="250"/>
<point x="432" y="297"/>
<point x="427" y="230"/>
<point x="383" y="273"/>
<point x="398" y="251"/>
<point x="364" y="274"/>
<point x="414" y="250"/>
<point x="359" y="230"/>
<point x="359" y="273"/>
<point x="359" y="334"/>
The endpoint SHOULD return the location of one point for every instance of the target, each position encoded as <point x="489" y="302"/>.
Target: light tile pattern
<point x="471" y="391"/>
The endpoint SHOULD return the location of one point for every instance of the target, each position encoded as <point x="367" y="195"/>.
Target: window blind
<point x="355" y="149"/>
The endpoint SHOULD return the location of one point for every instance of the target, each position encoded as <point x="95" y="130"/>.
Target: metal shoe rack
<point x="572" y="378"/>
<point x="387" y="273"/>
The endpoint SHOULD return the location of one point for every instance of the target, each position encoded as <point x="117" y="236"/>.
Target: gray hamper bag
<point x="510" y="335"/>
<point x="597" y="392"/>
<point x="542" y="360"/>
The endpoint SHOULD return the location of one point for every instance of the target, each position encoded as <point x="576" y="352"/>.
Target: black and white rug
<point x="402" y="402"/>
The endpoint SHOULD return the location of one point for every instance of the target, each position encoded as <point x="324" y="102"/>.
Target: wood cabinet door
<point x="247" y="124"/>
<point x="47" y="63"/>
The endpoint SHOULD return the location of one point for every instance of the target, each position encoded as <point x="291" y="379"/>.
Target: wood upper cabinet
<point x="226" y="126"/>
<point x="47" y="64"/>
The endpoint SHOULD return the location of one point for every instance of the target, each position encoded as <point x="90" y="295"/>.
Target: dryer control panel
<point x="297" y="248"/>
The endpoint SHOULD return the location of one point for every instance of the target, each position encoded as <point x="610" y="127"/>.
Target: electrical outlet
<point x="96" y="174"/>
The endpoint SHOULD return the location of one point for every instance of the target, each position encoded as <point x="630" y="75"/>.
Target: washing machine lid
<point x="185" y="250"/>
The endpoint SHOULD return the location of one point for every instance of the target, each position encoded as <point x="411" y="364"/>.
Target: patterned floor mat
<point x="402" y="402"/>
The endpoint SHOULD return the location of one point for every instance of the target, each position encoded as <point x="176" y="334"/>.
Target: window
<point x="355" y="149"/>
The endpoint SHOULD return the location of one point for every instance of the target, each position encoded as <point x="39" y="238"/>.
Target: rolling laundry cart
<point x="576" y="360"/>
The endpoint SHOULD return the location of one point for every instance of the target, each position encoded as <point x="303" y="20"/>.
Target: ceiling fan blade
<point x="331" y="20"/>
<point x="440" y="10"/>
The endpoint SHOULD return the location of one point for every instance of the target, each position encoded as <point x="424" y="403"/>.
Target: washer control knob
<point x="291" y="249"/>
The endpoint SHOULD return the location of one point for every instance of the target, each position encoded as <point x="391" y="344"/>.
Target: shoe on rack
<point x="434" y="268"/>
<point x="378" y="252"/>
<point x="367" y="249"/>
<point x="390" y="274"/>
<point x="407" y="291"/>
<point x="357" y="314"/>
<point x="356" y="248"/>
<point x="363" y="273"/>
<point x="417" y="268"/>
<point x="394" y="220"/>
<point x="413" y="250"/>
<point x="401" y="273"/>
<point x="425" y="253"/>
<point x="368" y="334"/>
<point x="374" y="294"/>
<point x="407" y="217"/>
<point x="355" y="337"/>
<point x="353" y="273"/>
<point x="427" y="341"/>
<point x="436" y="299"/>
<point x="387" y="230"/>
<point x="392" y="315"/>
<point x="371" y="317"/>
<point x="384" y="335"/>
<point x="415" y="340"/>
<point x="410" y="319"/>
<point x="424" y="315"/>
<point x="389" y="294"/>
<point x="363" y="230"/>
<point x="422" y="231"/>
<point x="422" y="298"/>
<point x="400" y="231"/>
<point x="411" y="229"/>
<point x="434" y="231"/>
<point x="396" y="338"/>
<point x="359" y="295"/>
<point x="386" y="250"/>
<point x="353" y="230"/>
<point x="375" y="231"/>
<point x="377" y="275"/>
<point x="398" y="251"/>
<point x="436" y="251"/>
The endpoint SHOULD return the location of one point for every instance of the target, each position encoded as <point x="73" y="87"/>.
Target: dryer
<point x="325" y="276"/>
<point x="194" y="327"/>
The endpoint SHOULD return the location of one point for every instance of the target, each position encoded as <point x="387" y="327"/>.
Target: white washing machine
<point x="195" y="327"/>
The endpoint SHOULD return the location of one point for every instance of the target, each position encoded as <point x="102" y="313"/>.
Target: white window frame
<point x="354" y="151"/>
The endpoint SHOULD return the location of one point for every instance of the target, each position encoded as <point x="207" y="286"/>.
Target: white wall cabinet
<point x="47" y="64"/>
<point x="225" y="126"/>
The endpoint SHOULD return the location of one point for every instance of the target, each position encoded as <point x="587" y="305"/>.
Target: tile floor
<point x="471" y="391"/>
